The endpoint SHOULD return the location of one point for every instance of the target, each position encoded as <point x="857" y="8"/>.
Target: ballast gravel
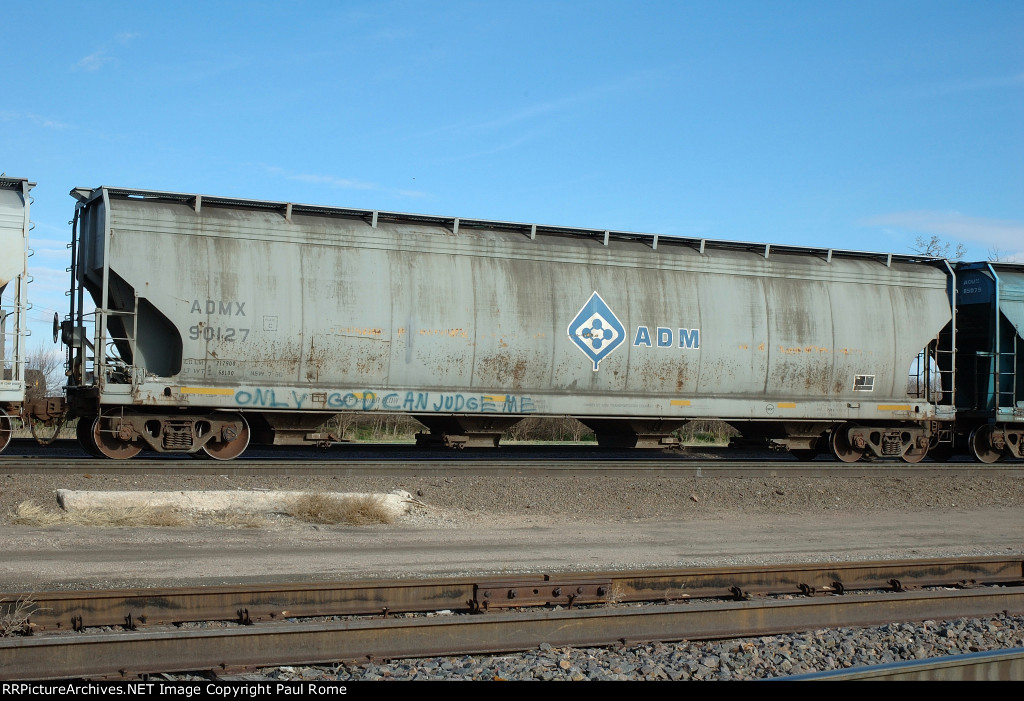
<point x="775" y="656"/>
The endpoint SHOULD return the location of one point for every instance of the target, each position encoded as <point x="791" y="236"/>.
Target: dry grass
<point x="311" y="508"/>
<point x="15" y="616"/>
<point x="358" y="511"/>
<point x="29" y="513"/>
<point x="235" y="519"/>
<point x="112" y="517"/>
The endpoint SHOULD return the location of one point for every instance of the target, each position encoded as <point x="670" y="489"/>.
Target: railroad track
<point x="401" y="460"/>
<point x="276" y="625"/>
<point x="993" y="665"/>
<point x="504" y="467"/>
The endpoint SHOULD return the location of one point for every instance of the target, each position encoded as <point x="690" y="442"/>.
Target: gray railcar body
<point x="14" y="228"/>
<point x="276" y="315"/>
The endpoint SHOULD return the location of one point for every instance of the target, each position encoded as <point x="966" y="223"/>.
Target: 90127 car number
<point x="217" y="333"/>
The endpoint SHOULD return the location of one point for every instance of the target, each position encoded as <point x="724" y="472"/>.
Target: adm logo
<point x="596" y="330"/>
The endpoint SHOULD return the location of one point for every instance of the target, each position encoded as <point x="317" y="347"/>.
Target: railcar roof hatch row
<point x="606" y="236"/>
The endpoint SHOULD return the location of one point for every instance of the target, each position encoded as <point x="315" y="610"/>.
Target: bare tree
<point x="996" y="254"/>
<point x="44" y="373"/>
<point x="935" y="246"/>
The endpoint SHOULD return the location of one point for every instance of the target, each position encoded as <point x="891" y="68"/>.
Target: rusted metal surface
<point x="125" y="655"/>
<point x="254" y="604"/>
<point x="817" y="579"/>
<point x="565" y="590"/>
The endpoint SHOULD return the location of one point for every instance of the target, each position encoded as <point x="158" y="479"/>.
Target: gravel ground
<point x="478" y="502"/>
<point x="464" y="501"/>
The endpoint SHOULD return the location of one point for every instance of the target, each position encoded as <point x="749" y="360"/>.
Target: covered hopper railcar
<point x="14" y="228"/>
<point x="990" y="360"/>
<point x="219" y="322"/>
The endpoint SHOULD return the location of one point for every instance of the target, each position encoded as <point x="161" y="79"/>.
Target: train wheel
<point x="84" y="434"/>
<point x="981" y="445"/>
<point x="840" y="446"/>
<point x="229" y="450"/>
<point x="109" y="444"/>
<point x="6" y="430"/>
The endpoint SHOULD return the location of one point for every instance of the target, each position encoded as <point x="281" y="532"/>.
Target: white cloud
<point x="101" y="57"/>
<point x="94" y="61"/>
<point x="537" y="111"/>
<point x="1004" y="236"/>
<point x="989" y="83"/>
<point x="38" y="120"/>
<point x="342" y="183"/>
<point x="333" y="181"/>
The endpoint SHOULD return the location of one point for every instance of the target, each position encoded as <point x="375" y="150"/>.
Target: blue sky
<point x="858" y="125"/>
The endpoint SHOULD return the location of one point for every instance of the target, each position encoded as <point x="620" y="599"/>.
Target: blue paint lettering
<point x="394" y="401"/>
<point x="689" y="338"/>
<point x="664" y="337"/>
<point x="266" y="397"/>
<point x="643" y="337"/>
<point x="416" y="401"/>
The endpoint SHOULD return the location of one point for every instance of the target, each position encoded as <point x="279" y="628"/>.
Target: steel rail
<point x="361" y="459"/>
<point x="124" y="655"/>
<point x="504" y="466"/>
<point x="991" y="665"/>
<point x="74" y="610"/>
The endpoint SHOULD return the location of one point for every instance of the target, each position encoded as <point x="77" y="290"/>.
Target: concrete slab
<point x="396" y="503"/>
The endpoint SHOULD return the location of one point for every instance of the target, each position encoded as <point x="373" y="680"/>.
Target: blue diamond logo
<point x="596" y="330"/>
